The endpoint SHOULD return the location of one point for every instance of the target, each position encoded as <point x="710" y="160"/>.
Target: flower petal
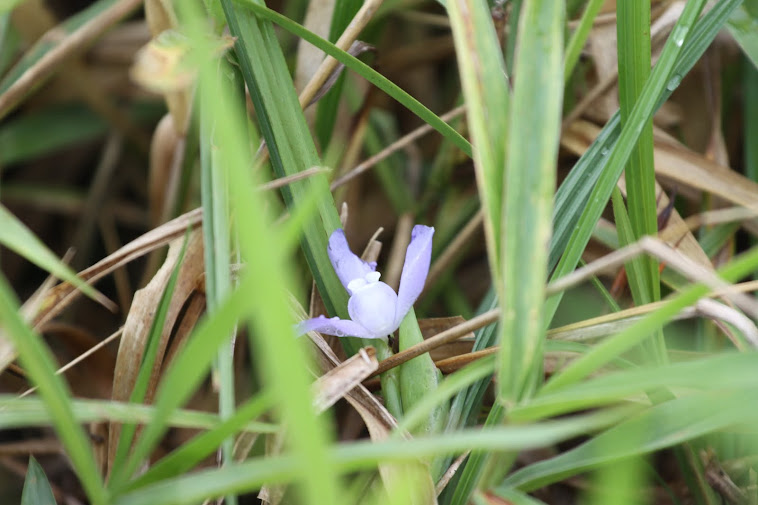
<point x="347" y="265"/>
<point x="334" y="326"/>
<point x="415" y="269"/>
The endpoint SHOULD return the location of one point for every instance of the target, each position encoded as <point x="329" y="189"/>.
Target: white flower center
<point x="372" y="304"/>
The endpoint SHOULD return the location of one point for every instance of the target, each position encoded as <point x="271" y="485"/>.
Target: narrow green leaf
<point x="37" y="489"/>
<point x="655" y="86"/>
<point x="217" y="239"/>
<point x="718" y="372"/>
<point x="190" y="368"/>
<point x="18" y="238"/>
<point x="191" y="453"/>
<point x="664" y="425"/>
<point x="357" y="456"/>
<point x="40" y="366"/>
<point x="579" y="37"/>
<point x="289" y="142"/>
<point x="634" y="60"/>
<point x="534" y="127"/>
<point x="364" y="71"/>
<point x="30" y="411"/>
<point x="742" y="25"/>
<point x="485" y="88"/>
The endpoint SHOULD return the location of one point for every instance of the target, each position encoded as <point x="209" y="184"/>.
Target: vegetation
<point x="586" y="332"/>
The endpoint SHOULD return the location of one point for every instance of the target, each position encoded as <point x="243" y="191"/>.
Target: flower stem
<point x="390" y="381"/>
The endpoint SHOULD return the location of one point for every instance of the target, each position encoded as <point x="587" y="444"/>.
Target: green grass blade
<point x="664" y="425"/>
<point x="364" y="455"/>
<point x="18" y="238"/>
<point x="289" y="142"/>
<point x="189" y="369"/>
<point x="742" y="27"/>
<point x="485" y="89"/>
<point x="579" y="37"/>
<point x="634" y="60"/>
<point x="718" y="372"/>
<point x="37" y="489"/>
<point x="452" y="384"/>
<point x="363" y="70"/>
<point x="40" y="366"/>
<point x="655" y="86"/>
<point x="419" y="377"/>
<point x="614" y="346"/>
<point x="280" y="357"/>
<point x="535" y="117"/>
<point x="30" y="411"/>
<point x="217" y="239"/>
<point x="574" y="193"/>
<point x="190" y="454"/>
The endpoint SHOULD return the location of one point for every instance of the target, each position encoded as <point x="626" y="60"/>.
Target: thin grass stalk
<point x="634" y="60"/>
<point x="216" y="246"/>
<point x="579" y="37"/>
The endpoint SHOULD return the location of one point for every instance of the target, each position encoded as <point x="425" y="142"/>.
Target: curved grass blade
<point x="361" y="69"/>
<point x="365" y="455"/>
<point x="664" y="425"/>
<point x="17" y="237"/>
<point x="38" y="361"/>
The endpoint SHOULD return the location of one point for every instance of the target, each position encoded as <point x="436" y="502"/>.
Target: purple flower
<point x="375" y="309"/>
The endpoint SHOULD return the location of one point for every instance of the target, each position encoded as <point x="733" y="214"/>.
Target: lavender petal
<point x="415" y="269"/>
<point x="334" y="326"/>
<point x="347" y="265"/>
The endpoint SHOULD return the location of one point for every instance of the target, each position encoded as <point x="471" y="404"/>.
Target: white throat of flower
<point x="363" y="282"/>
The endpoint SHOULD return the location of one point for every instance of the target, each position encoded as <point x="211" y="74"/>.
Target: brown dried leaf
<point x="60" y="296"/>
<point x="340" y="380"/>
<point x="140" y="320"/>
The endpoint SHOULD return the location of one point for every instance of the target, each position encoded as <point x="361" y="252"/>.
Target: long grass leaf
<point x="364" y="71"/>
<point x="655" y="87"/>
<point x="574" y="193"/>
<point x="364" y="455"/>
<point x="485" y="89"/>
<point x="664" y="425"/>
<point x="528" y="203"/>
<point x="38" y="361"/>
<point x="17" y="237"/>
